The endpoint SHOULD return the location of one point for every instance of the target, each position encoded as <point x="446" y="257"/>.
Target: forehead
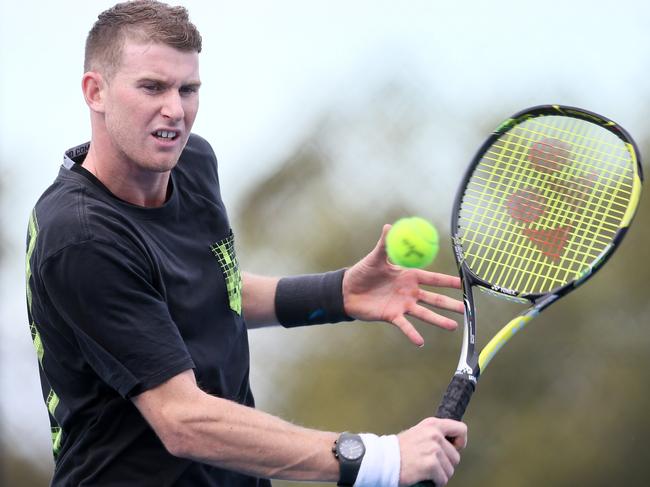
<point x="152" y="59"/>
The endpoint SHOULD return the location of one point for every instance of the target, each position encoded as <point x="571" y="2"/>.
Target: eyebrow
<point x="149" y="79"/>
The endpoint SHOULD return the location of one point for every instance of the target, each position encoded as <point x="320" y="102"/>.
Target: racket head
<point x="545" y="202"/>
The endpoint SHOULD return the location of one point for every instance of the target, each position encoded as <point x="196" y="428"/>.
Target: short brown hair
<point x="142" y="20"/>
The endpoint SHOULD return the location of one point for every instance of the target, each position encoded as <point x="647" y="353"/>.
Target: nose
<point x="172" y="107"/>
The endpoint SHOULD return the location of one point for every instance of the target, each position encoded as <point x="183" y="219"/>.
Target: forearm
<point x="246" y="440"/>
<point x="258" y="300"/>
<point x="195" y="425"/>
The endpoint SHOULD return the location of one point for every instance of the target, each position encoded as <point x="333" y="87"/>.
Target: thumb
<point x="380" y="248"/>
<point x="378" y="258"/>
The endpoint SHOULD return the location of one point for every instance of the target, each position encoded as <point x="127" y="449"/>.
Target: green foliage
<point x="16" y="470"/>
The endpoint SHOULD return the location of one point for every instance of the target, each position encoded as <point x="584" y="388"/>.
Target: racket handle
<point x="455" y="401"/>
<point x="453" y="406"/>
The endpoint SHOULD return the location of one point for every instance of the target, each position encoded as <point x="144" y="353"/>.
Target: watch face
<point x="351" y="448"/>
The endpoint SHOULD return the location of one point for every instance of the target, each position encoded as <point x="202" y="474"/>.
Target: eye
<point x="152" y="87"/>
<point x="189" y="90"/>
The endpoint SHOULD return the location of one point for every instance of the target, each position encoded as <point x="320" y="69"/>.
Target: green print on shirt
<point x="33" y="234"/>
<point x="52" y="400"/>
<point x="224" y="251"/>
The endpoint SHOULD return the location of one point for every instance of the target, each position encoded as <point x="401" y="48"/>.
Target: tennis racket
<point x="546" y="201"/>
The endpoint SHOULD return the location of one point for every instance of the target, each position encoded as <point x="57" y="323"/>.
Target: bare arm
<point x="193" y="424"/>
<point x="258" y="300"/>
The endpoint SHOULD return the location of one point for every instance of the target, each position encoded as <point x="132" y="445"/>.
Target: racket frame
<point x="471" y="362"/>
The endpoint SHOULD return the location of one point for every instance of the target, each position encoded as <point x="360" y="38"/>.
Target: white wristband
<point x="381" y="463"/>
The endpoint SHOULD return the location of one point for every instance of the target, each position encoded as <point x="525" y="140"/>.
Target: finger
<point x="409" y="330"/>
<point x="437" y="279"/>
<point x="428" y="316"/>
<point x="379" y="252"/>
<point x="382" y="238"/>
<point x="446" y="463"/>
<point x="448" y="457"/>
<point x="441" y="472"/>
<point x="451" y="452"/>
<point x="441" y="301"/>
<point x="454" y="429"/>
<point x="459" y="442"/>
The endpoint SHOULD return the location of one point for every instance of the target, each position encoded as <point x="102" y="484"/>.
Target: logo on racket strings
<point x="561" y="190"/>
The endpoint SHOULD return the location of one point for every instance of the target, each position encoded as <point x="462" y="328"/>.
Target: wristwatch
<point x="349" y="451"/>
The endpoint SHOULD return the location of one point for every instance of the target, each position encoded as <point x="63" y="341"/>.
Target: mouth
<point x="166" y="134"/>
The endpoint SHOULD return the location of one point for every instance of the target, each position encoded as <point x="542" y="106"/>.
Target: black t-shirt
<point x="121" y="298"/>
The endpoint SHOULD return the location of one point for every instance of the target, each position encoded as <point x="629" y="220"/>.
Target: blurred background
<point x="331" y="118"/>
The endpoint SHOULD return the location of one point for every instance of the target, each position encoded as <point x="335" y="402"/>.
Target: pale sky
<point x="269" y="70"/>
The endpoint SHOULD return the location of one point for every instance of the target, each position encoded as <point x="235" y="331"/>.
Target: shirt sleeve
<point x="119" y="317"/>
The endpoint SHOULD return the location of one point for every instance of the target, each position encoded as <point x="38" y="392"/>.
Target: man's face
<point x="150" y="104"/>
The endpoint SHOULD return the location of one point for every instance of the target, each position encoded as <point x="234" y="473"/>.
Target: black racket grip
<point x="453" y="406"/>
<point x="455" y="401"/>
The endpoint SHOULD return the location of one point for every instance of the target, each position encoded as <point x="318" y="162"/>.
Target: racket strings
<point x="544" y="156"/>
<point x="502" y="271"/>
<point x="545" y="201"/>
<point x="550" y="242"/>
<point x="529" y="203"/>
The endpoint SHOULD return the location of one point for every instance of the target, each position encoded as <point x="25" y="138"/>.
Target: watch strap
<point x="348" y="469"/>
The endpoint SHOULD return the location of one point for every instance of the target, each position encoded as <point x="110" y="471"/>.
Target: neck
<point x="129" y="183"/>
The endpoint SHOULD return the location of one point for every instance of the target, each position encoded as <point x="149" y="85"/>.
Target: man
<point x="137" y="306"/>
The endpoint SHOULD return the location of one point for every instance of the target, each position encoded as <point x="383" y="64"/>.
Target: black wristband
<point x="310" y="299"/>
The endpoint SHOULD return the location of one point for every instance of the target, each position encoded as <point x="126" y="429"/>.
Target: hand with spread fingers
<point x="376" y="290"/>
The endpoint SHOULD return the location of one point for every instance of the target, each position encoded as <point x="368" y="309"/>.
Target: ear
<point x="93" y="87"/>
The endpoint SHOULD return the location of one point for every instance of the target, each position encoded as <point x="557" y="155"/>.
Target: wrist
<point x="310" y="299"/>
<point x="349" y="450"/>
<point x="379" y="463"/>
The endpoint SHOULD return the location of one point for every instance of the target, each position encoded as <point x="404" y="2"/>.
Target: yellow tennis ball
<point x="412" y="242"/>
